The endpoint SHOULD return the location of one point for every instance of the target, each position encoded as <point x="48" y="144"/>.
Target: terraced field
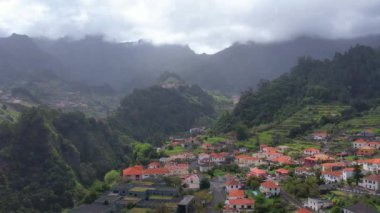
<point x="307" y="115"/>
<point x="369" y="119"/>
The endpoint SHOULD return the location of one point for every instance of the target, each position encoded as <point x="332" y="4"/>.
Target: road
<point x="290" y="199"/>
<point x="218" y="193"/>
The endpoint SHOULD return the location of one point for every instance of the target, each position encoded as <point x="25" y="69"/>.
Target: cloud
<point x="205" y="25"/>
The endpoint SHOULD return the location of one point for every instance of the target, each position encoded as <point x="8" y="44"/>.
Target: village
<point x="219" y="174"/>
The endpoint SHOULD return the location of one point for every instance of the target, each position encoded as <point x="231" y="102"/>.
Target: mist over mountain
<point x="125" y="66"/>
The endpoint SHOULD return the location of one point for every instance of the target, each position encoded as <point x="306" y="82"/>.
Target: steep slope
<point x="46" y="157"/>
<point x="154" y="113"/>
<point x="350" y="78"/>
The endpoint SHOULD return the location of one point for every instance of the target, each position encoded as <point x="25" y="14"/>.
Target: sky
<point x="207" y="26"/>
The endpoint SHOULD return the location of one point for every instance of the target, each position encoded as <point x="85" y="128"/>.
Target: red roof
<point x="371" y="161"/>
<point x="283" y="159"/>
<point x="244" y="201"/>
<point x="269" y="184"/>
<point x="373" y="178"/>
<point x="246" y="157"/>
<point x="341" y="164"/>
<point x="373" y="143"/>
<point x="134" y="170"/>
<point x="236" y="193"/>
<point x="282" y="171"/>
<point x="218" y="155"/>
<point x="360" y="140"/>
<point x="232" y="182"/>
<point x="155" y="171"/>
<point x="336" y="174"/>
<point x="258" y="171"/>
<point x="303" y="210"/>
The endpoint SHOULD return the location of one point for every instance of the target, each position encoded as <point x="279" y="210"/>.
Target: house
<point x="317" y="204"/>
<point x="329" y="167"/>
<point x="205" y="166"/>
<point x="332" y="177"/>
<point x="269" y="188"/>
<point x="320" y="136"/>
<point x="317" y="159"/>
<point x="203" y="158"/>
<point x="371" y="182"/>
<point x="359" y="143"/>
<point x="133" y="173"/>
<point x="370" y="165"/>
<point x="303" y="210"/>
<point x="181" y="169"/>
<point x="366" y="151"/>
<point x="304" y="171"/>
<point x="154" y="173"/>
<point x="245" y="161"/>
<point x="374" y="144"/>
<point x="239" y="205"/>
<point x="282" y="160"/>
<point x="359" y="208"/>
<point x="154" y="165"/>
<point x="236" y="194"/>
<point x="256" y="172"/>
<point x="282" y="172"/>
<point x="186" y="205"/>
<point x="311" y="151"/>
<point x="233" y="184"/>
<point x="191" y="182"/>
<point x="243" y="149"/>
<point x="218" y="158"/>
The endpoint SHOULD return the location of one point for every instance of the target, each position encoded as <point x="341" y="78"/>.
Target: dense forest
<point x="351" y="78"/>
<point x="48" y="159"/>
<point x="152" y="114"/>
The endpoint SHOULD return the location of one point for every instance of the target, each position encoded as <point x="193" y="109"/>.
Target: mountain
<point x="154" y="113"/>
<point x="49" y="159"/>
<point x="126" y="66"/>
<point x="350" y="78"/>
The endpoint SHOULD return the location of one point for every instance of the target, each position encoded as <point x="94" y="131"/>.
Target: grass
<point x="299" y="145"/>
<point x="218" y="173"/>
<point x="309" y="114"/>
<point x="212" y="140"/>
<point x="370" y="118"/>
<point x="158" y="197"/>
<point x="140" y="210"/>
<point x="174" y="151"/>
<point x="139" y="189"/>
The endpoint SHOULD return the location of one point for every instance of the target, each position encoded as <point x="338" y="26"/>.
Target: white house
<point x="239" y="205"/>
<point x="269" y="188"/>
<point x="317" y="204"/>
<point x="233" y="184"/>
<point x="371" y="182"/>
<point x="191" y="182"/>
<point x="370" y="165"/>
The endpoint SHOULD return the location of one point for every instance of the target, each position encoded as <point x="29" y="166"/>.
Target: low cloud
<point x="205" y="25"/>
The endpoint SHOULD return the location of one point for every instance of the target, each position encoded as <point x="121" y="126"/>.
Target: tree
<point x="241" y="132"/>
<point x="357" y="174"/>
<point x="219" y="206"/>
<point x="205" y="183"/>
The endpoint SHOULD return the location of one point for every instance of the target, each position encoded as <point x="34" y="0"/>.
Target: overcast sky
<point x="205" y="25"/>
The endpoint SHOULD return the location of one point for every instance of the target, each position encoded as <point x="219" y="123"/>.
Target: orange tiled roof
<point x="134" y="170"/>
<point x="244" y="201"/>
<point x="156" y="171"/>
<point x="236" y="193"/>
<point x="373" y="178"/>
<point x="336" y="174"/>
<point x="282" y="170"/>
<point x="303" y="210"/>
<point x="269" y="184"/>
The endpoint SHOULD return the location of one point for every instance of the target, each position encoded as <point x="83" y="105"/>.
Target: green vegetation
<point x="154" y="113"/>
<point x="71" y="151"/>
<point x="174" y="151"/>
<point x="348" y="79"/>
